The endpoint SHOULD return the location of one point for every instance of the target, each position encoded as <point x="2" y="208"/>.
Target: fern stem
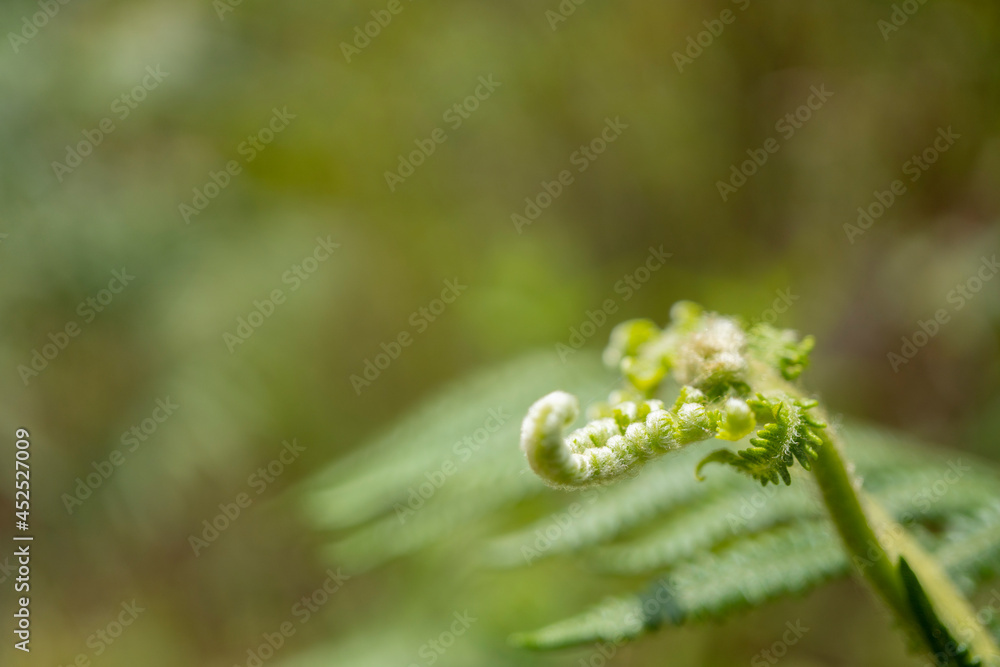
<point x="875" y="542"/>
<point x="841" y="496"/>
<point x="948" y="602"/>
<point x="860" y="521"/>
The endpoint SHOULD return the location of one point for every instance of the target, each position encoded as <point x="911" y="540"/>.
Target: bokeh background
<point x="780" y="237"/>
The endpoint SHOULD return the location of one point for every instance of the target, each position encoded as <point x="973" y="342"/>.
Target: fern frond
<point x="753" y="569"/>
<point x="380" y="475"/>
<point x="616" y="446"/>
<point x="713" y="359"/>
<point x="702" y="528"/>
<point x="407" y="530"/>
<point x="719" y="365"/>
<point x="734" y="515"/>
<point x="789" y="434"/>
<point x="716" y="554"/>
<point x="920" y="493"/>
<point x="972" y="554"/>
<point x="788" y="560"/>
<point x="785" y="561"/>
<point x="614" y="620"/>
<point x="634" y="503"/>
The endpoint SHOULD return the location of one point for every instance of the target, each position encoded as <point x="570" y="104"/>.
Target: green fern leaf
<point x="602" y="514"/>
<point x="972" y="554"/>
<point x="789" y="434"/>
<point x="788" y="560"/>
<point x="704" y="527"/>
<point x="379" y="474"/>
<point x="614" y="620"/>
<point x="734" y="515"/>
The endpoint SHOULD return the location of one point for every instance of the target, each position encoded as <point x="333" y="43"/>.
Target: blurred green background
<point x="779" y="238"/>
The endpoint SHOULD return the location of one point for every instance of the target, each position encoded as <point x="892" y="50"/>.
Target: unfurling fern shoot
<point x="734" y="383"/>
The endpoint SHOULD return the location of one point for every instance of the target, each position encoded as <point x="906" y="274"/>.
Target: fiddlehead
<point x="632" y="433"/>
<point x="726" y="391"/>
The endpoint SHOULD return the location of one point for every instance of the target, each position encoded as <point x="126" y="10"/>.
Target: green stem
<point x="844" y="504"/>
<point x="875" y="542"/>
<point x="860" y="521"/>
